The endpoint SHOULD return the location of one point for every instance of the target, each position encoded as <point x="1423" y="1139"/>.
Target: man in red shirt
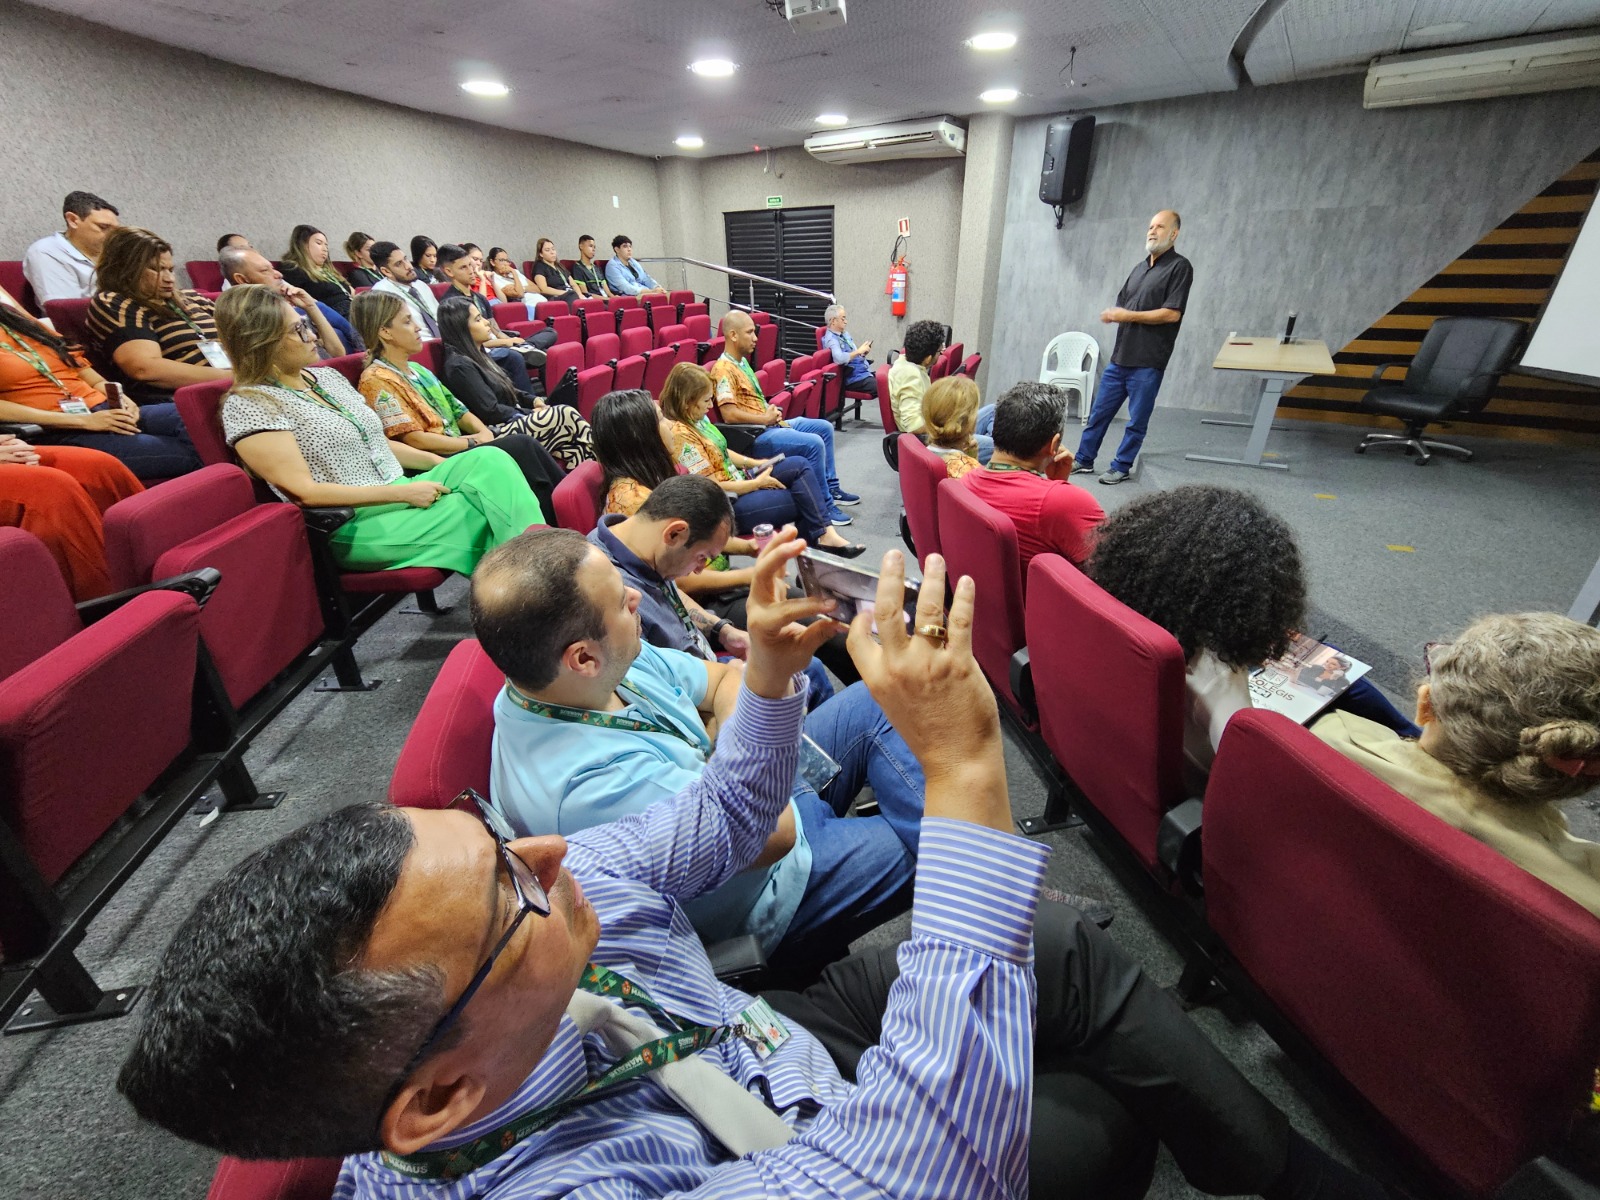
<point x="1027" y="477"/>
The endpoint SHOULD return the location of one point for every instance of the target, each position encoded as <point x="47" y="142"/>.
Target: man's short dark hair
<point x="222" y="242"/>
<point x="382" y="252"/>
<point x="922" y="339"/>
<point x="449" y="253"/>
<point x="81" y="204"/>
<point x="261" y="1038"/>
<point x="1211" y="565"/>
<point x="621" y="239"/>
<point x="1027" y="417"/>
<point x="528" y="606"/>
<point x="697" y="499"/>
<point x="585" y="237"/>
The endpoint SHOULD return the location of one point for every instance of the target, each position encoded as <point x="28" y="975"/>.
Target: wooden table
<point x="1278" y="365"/>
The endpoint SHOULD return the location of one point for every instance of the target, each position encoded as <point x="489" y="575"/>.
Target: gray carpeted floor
<point x="1512" y="530"/>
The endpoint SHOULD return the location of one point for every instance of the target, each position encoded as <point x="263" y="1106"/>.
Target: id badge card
<point x="763" y="1029"/>
<point x="211" y="350"/>
<point x="816" y="767"/>
<point x="74" y="406"/>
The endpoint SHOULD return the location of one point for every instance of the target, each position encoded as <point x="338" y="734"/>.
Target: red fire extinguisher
<point x="899" y="286"/>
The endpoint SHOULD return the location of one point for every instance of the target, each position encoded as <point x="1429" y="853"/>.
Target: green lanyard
<point x="448" y="418"/>
<point x="687" y="1038"/>
<point x="27" y="353"/>
<point x="695" y="633"/>
<point x="994" y="466"/>
<point x="604" y="720"/>
<point x="328" y="401"/>
<point x="183" y="315"/>
<point x="714" y="435"/>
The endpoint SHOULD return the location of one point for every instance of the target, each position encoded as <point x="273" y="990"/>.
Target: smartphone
<point x="113" y="394"/>
<point x="855" y="589"/>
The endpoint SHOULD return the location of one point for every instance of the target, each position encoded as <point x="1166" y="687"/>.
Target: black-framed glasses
<point x="531" y="898"/>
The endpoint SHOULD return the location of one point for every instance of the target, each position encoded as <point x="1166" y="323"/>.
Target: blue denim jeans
<point x="1138" y="386"/>
<point x="985" y="434"/>
<point x="798" y="501"/>
<point x="812" y="440"/>
<point x="160" y="450"/>
<point x="855" y="733"/>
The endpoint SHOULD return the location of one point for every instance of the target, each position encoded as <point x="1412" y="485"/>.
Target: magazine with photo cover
<point x="1305" y="679"/>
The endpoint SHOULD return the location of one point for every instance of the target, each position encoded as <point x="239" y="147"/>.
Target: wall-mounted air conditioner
<point x="935" y="137"/>
<point x="1542" y="63"/>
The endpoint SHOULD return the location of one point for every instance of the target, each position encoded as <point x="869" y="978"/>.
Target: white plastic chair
<point x="1072" y="361"/>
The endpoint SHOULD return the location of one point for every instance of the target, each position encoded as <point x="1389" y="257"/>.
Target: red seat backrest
<point x="820" y="331"/>
<point x="450" y="743"/>
<point x="695" y="310"/>
<point x="593" y="383"/>
<point x="668" y="335"/>
<point x="771" y="375"/>
<point x="15" y="282"/>
<point x="1081" y="640"/>
<point x="71" y="319"/>
<point x="699" y="326"/>
<point x="921" y="473"/>
<point x="590" y="304"/>
<point x="559" y="359"/>
<point x="568" y="328"/>
<point x="766" y="343"/>
<point x="428" y="356"/>
<point x="970" y="365"/>
<point x="601" y="348"/>
<point x="885" y="408"/>
<point x="348" y="365"/>
<point x="205" y="275"/>
<point x="580" y="497"/>
<point x="621" y="303"/>
<point x="39" y="611"/>
<point x="200" y="406"/>
<point x="681" y="296"/>
<point x="510" y="310"/>
<point x="980" y="541"/>
<point x="761" y="318"/>
<point x="596" y="318"/>
<point x="629" y="373"/>
<point x="1459" y="994"/>
<point x="548" y="310"/>
<point x="635" y="340"/>
<point x="141" y="528"/>
<point x="268" y="1179"/>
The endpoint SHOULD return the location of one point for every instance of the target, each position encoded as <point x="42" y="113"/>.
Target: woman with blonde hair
<point x="312" y="438"/>
<point x="769" y="491"/>
<point x="1510" y="717"/>
<point x="307" y="264"/>
<point x="950" y="417"/>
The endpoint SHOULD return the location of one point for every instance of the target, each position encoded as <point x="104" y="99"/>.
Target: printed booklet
<point x="1304" y="680"/>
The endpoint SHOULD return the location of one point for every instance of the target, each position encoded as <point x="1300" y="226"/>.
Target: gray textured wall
<point x="194" y="148"/>
<point x="1293" y="197"/>
<point x="867" y="201"/>
<point x="983" y="222"/>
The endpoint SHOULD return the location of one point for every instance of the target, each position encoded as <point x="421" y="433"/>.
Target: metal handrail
<point x="746" y="275"/>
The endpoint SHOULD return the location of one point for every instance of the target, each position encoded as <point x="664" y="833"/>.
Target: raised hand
<point x="779" y="646"/>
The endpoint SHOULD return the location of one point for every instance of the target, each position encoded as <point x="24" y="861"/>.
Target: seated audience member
<point x="43" y="382"/>
<point x="624" y="276"/>
<point x="335" y="336"/>
<point x="230" y="241"/>
<point x="311" y="436"/>
<point x="650" y="548"/>
<point x="418" y="410"/>
<point x="487" y="391"/>
<point x="358" y="246"/>
<point x="586" y="276"/>
<point x="1510" y="727"/>
<point x="481" y="285"/>
<point x="157" y="336"/>
<point x="515" y="355"/>
<point x="1221" y="573"/>
<point x="62" y="265"/>
<point x="949" y="416"/>
<point x="1026" y="479"/>
<point x="764" y="491"/>
<point x="510" y="285"/>
<point x="399" y="278"/>
<point x="307" y="265"/>
<point x="451" y="980"/>
<point x="595" y="724"/>
<point x="57" y="493"/>
<point x="837" y="341"/>
<point x="908" y="377"/>
<point x="550" y="282"/>
<point x="424" y="256"/>
<point x="740" y="400"/>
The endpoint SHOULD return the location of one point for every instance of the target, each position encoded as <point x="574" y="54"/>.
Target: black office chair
<point x="1453" y="375"/>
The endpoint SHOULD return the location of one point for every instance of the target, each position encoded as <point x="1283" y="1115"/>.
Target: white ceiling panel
<point x="614" y="72"/>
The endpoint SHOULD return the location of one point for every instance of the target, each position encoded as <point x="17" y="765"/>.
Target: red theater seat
<point x="295" y="1179"/>
<point x="885" y="408"/>
<point x="636" y="339"/>
<point x="580" y="497"/>
<point x="980" y="541"/>
<point x="629" y="373"/>
<point x="450" y="744"/>
<point x="921" y="473"/>
<point x="205" y="275"/>
<point x="15" y="282"/>
<point x="593" y="383"/>
<point x="602" y="348"/>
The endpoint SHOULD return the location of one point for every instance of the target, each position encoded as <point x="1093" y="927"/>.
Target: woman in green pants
<point x="311" y="436"/>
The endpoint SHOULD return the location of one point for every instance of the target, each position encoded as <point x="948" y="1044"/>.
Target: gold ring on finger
<point x="936" y="632"/>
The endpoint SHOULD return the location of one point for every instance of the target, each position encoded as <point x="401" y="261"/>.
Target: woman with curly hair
<point x="1221" y="572"/>
<point x="1510" y="727"/>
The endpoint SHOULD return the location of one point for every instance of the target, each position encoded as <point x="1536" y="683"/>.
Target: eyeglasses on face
<point x="302" y="330"/>
<point x="531" y="898"/>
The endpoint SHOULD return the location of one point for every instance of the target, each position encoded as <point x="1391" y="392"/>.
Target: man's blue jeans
<point x="984" y="434"/>
<point x="1138" y="386"/>
<point x="811" y="439"/>
<point x="861" y="867"/>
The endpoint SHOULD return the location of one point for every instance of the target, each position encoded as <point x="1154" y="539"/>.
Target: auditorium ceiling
<point x="614" y="73"/>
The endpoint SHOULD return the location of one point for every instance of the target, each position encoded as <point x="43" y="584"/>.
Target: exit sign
<point x="774" y="201"/>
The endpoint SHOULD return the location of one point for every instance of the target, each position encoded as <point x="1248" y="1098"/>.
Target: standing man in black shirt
<point x="1149" y="312"/>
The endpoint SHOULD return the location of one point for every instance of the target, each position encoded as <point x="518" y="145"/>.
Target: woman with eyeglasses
<point x="420" y="412"/>
<point x="312" y="438"/>
<point x="510" y="285"/>
<point x="1509" y="717"/>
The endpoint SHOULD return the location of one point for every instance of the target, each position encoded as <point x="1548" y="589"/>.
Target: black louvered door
<point x="791" y="244"/>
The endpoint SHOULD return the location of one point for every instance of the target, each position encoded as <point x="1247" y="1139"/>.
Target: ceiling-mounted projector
<point x="808" y="16"/>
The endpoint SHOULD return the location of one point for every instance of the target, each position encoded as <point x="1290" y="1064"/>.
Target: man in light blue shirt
<point x="61" y="266"/>
<point x="594" y="725"/>
<point x="624" y="276"/>
<point x="852" y="358"/>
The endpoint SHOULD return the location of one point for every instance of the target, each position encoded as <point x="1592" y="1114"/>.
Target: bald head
<point x="735" y="321"/>
<point x="240" y="264"/>
<point x="739" y="332"/>
<point x="1163" y="231"/>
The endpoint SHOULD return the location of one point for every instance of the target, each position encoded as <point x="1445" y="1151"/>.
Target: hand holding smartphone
<point x="854" y="589"/>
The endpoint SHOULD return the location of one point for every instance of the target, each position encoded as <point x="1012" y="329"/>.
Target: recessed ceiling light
<point x="993" y="40"/>
<point x="485" y="87"/>
<point x="691" y="141"/>
<point x="999" y="95"/>
<point x="713" y="68"/>
<point x="1443" y="29"/>
<point x="832" y="119"/>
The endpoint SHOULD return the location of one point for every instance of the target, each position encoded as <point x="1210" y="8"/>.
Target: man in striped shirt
<point x="411" y="991"/>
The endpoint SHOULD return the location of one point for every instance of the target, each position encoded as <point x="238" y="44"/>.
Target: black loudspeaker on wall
<point x="1066" y="163"/>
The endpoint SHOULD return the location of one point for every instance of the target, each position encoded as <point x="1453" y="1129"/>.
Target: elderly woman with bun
<point x="1510" y="718"/>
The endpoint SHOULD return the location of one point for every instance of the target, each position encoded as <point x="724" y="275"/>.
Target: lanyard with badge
<point x="210" y="349"/>
<point x="994" y="466"/>
<point x="758" y="1026"/>
<point x="68" y="402"/>
<point x="605" y="720"/>
<point x="328" y="402"/>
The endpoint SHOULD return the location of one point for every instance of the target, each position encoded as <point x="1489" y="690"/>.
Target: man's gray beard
<point x="1158" y="247"/>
